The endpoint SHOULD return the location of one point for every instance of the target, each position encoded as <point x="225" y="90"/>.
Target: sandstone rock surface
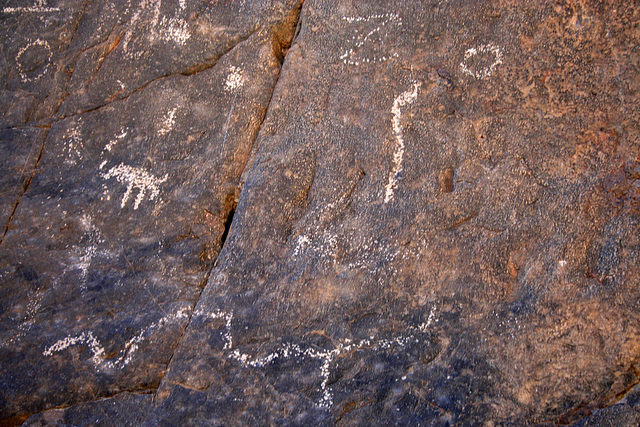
<point x="320" y="212"/>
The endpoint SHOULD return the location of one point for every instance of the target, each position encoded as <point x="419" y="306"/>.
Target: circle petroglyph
<point x="481" y="62"/>
<point x="27" y="62"/>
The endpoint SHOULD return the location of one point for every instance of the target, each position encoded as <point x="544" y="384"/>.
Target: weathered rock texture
<point x="320" y="212"/>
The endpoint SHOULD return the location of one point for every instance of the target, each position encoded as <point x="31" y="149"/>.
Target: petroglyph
<point x="86" y="252"/>
<point x="325" y="246"/>
<point x="144" y="6"/>
<point x="86" y="338"/>
<point x="85" y="260"/>
<point x="325" y="356"/>
<point x="33" y="307"/>
<point x="74" y="143"/>
<point x="174" y="30"/>
<point x="235" y="79"/>
<point x="168" y="122"/>
<point x="22" y="68"/>
<point x="136" y="178"/>
<point x="483" y="53"/>
<point x="39" y="7"/>
<point x="113" y="142"/>
<point x="303" y="242"/>
<point x="357" y="54"/>
<point x="125" y="356"/>
<point x="407" y="97"/>
<point x="227" y="316"/>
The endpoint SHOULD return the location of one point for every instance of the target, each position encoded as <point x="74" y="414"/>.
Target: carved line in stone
<point x="87" y="338"/>
<point x="136" y="178"/>
<point x="481" y="50"/>
<point x="21" y="70"/>
<point x="406" y="98"/>
<point x="292" y="350"/>
<point x="173" y="29"/>
<point x="286" y="350"/>
<point x="349" y="55"/>
<point x="39" y="7"/>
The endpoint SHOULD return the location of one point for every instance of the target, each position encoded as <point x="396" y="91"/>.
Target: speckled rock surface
<point x="320" y="212"/>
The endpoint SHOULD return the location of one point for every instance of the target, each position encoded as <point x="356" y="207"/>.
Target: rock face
<point x="320" y="212"/>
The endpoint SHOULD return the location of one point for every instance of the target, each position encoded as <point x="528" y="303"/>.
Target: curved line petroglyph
<point x="406" y="98"/>
<point x="285" y="351"/>
<point x="21" y="70"/>
<point x="327" y="357"/>
<point x="88" y="339"/>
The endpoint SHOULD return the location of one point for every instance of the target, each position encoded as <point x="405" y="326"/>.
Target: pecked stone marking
<point x="39" y="7"/>
<point x="23" y="73"/>
<point x="28" y="320"/>
<point x="74" y="142"/>
<point x="235" y="79"/>
<point x="482" y="50"/>
<point x="217" y="314"/>
<point x="174" y="30"/>
<point x="125" y="356"/>
<point x="137" y="178"/>
<point x="285" y="351"/>
<point x="144" y="6"/>
<point x="327" y="357"/>
<point x="113" y="142"/>
<point x="169" y="29"/>
<point x="354" y="55"/>
<point x="86" y="338"/>
<point x="168" y="122"/>
<point x="406" y="98"/>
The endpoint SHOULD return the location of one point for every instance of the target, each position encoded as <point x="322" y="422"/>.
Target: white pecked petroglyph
<point x="113" y="142"/>
<point x="482" y="50"/>
<point x="133" y="23"/>
<point x="125" y="356"/>
<point x="86" y="338"/>
<point x="227" y="316"/>
<point x="28" y="320"/>
<point x="23" y="73"/>
<point x="407" y="97"/>
<point x="354" y="55"/>
<point x="285" y="351"/>
<point x="168" y="122"/>
<point x="325" y="356"/>
<point x="174" y="30"/>
<point x="136" y="178"/>
<point x="85" y="253"/>
<point x="85" y="260"/>
<point x="235" y="79"/>
<point x="39" y="7"/>
<point x="74" y="144"/>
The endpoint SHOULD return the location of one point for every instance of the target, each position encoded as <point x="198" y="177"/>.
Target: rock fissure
<point x="24" y="189"/>
<point x="187" y="72"/>
<point x="228" y="220"/>
<point x="213" y="243"/>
